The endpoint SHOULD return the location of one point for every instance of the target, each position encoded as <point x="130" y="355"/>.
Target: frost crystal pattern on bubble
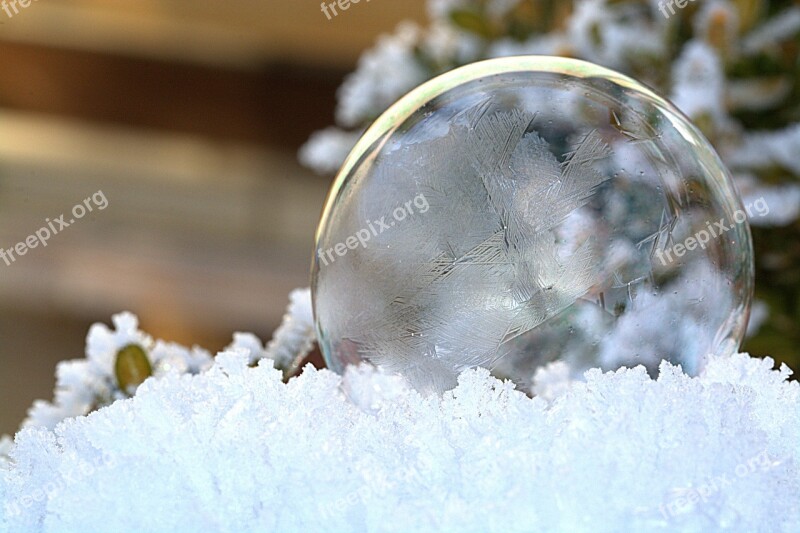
<point x="521" y="215"/>
<point x="516" y="169"/>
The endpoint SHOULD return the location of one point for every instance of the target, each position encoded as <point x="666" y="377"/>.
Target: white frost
<point x="236" y="449"/>
<point x="384" y="72"/>
<point x="327" y="149"/>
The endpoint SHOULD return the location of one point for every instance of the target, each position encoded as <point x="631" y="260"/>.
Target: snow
<point x="327" y="149"/>
<point x="770" y="34"/>
<point x="236" y="449"/>
<point x="84" y="383"/>
<point x="292" y="341"/>
<point x="370" y="85"/>
<point x="766" y="148"/>
<point x="610" y="34"/>
<point x="699" y="81"/>
<point x="782" y="201"/>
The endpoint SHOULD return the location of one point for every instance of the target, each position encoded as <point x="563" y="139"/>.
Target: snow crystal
<point x="551" y="380"/>
<point x="236" y="449"/>
<point x="441" y="9"/>
<point x="547" y="45"/>
<point x="295" y="337"/>
<point x="783" y="202"/>
<point x="384" y="72"/>
<point x="770" y="34"/>
<point x="327" y="149"/>
<point x="768" y="148"/>
<point x="698" y="81"/>
<point x="759" y="313"/>
<point x="443" y="44"/>
<point x="84" y="384"/>
<point x="607" y="33"/>
<point x="5" y="448"/>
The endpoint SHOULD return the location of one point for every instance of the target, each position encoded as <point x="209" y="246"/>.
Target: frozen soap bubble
<point x="523" y="210"/>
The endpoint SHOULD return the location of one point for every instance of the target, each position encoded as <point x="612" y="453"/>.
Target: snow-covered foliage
<point x="630" y="36"/>
<point x="84" y="385"/>
<point x="295" y="337"/>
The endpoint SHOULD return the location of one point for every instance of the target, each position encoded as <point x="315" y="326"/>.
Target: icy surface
<point x="235" y="449"/>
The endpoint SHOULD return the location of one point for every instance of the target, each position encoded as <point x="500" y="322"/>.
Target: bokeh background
<point x="189" y="114"/>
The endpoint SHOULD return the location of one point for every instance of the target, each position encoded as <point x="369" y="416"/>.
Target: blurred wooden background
<point x="188" y="115"/>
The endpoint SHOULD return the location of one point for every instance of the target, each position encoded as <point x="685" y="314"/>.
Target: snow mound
<point x="235" y="449"/>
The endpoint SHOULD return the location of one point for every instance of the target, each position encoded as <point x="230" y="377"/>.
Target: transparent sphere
<point x="524" y="210"/>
